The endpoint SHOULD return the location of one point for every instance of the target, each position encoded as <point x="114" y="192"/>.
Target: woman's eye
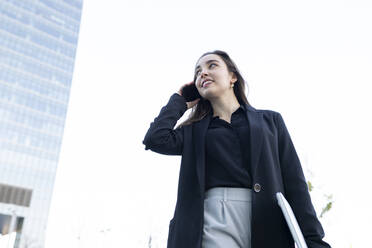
<point x="197" y="73"/>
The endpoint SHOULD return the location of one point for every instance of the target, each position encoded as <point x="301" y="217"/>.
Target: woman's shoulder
<point x="268" y="112"/>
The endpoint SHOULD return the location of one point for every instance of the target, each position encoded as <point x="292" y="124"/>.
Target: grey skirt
<point x="227" y="218"/>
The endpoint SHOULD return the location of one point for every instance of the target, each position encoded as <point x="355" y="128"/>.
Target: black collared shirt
<point x="227" y="152"/>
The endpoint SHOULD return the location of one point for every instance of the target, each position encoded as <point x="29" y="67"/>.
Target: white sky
<point x="309" y="60"/>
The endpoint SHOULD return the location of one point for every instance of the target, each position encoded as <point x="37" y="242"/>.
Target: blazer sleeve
<point x="296" y="189"/>
<point x="161" y="137"/>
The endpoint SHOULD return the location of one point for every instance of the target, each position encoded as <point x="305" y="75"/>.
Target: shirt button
<point x="257" y="187"/>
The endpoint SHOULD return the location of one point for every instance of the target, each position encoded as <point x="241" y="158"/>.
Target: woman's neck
<point x="224" y="106"/>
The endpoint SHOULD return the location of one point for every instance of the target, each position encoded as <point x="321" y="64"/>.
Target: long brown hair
<point x="204" y="107"/>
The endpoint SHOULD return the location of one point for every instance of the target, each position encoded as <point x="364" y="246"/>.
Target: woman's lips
<point x="207" y="83"/>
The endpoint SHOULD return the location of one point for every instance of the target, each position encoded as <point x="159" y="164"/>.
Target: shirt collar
<point x="241" y="107"/>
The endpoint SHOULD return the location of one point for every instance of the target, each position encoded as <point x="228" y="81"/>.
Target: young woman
<point x="234" y="160"/>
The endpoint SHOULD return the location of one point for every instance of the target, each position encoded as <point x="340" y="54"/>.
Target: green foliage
<point x="310" y="185"/>
<point x="328" y="206"/>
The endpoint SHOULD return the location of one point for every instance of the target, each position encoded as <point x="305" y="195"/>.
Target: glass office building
<point x="38" y="41"/>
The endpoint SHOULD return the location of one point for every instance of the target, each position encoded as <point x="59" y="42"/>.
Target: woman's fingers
<point x="186" y="84"/>
<point x="192" y="103"/>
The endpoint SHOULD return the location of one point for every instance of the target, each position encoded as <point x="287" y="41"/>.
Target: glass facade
<point x="38" y="40"/>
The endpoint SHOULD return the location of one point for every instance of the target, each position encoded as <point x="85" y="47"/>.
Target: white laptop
<point x="291" y="221"/>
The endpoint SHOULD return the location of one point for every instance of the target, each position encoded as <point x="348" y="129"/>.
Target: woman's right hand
<point x="192" y="103"/>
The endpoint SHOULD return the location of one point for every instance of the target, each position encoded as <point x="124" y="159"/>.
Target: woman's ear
<point x="234" y="78"/>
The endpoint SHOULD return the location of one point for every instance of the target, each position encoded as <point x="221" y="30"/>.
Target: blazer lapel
<point x="199" y="131"/>
<point x="256" y="136"/>
<point x="255" y="121"/>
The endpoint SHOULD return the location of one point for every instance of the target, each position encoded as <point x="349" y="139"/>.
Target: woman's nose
<point x="204" y="72"/>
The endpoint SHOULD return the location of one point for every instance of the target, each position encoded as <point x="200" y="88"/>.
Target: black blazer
<point x="275" y="167"/>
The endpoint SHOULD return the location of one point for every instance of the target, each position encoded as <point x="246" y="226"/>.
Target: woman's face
<point x="211" y="67"/>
